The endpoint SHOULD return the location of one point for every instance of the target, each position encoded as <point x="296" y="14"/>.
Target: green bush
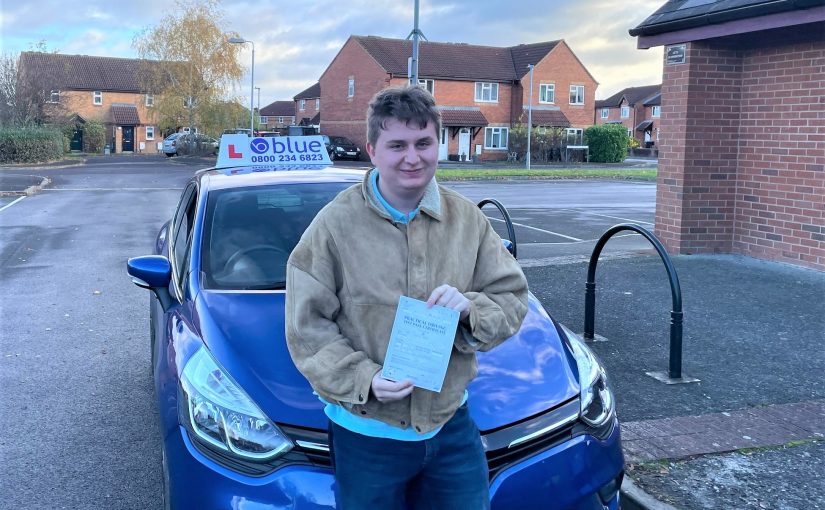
<point x="94" y="136"/>
<point x="607" y="143"/>
<point x="30" y="145"/>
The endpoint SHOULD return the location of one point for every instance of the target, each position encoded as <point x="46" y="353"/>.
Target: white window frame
<point x="629" y="133"/>
<point x="575" y="97"/>
<point x="605" y="113"/>
<point x="351" y="86"/>
<point x="656" y="112"/>
<point x="263" y="119"/>
<point x="625" y="113"/>
<point x="150" y="100"/>
<point x="503" y="134"/>
<point x="97" y="98"/>
<point x="302" y="105"/>
<point x="280" y="120"/>
<point x="577" y="133"/>
<point x="150" y="133"/>
<point x="427" y="84"/>
<point x="543" y="91"/>
<point x="492" y="90"/>
<point x="317" y="104"/>
<point x="54" y="96"/>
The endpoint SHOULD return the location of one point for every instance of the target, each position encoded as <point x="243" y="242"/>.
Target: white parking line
<point x="608" y="216"/>
<point x="540" y="230"/>
<point x="583" y="240"/>
<point x="11" y="204"/>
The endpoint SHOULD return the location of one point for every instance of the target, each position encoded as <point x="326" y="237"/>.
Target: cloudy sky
<point x="296" y="40"/>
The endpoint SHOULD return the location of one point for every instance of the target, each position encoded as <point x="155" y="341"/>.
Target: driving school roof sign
<point x="273" y="153"/>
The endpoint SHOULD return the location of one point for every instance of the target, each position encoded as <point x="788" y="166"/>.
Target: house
<point x="83" y="88"/>
<point x="307" y="106"/>
<point x="277" y="115"/>
<point x="742" y="132"/>
<point x="638" y="109"/>
<point x="482" y="91"/>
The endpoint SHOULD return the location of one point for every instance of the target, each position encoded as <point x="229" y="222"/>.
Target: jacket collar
<point x="430" y="203"/>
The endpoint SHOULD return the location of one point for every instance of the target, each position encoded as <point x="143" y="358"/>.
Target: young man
<point x="399" y="233"/>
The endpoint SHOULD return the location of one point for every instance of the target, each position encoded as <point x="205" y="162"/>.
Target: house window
<point x="428" y="85"/>
<point x="150" y="100"/>
<point x="657" y="111"/>
<point x="302" y="104"/>
<point x="280" y="120"/>
<point x="575" y="136"/>
<point x="486" y="92"/>
<point x="495" y="137"/>
<point x="54" y="96"/>
<point x="625" y="112"/>
<point x="605" y="113"/>
<point x="263" y="120"/>
<point x="351" y="87"/>
<point x="576" y="94"/>
<point x="317" y="104"/>
<point x="97" y="97"/>
<point x="547" y="93"/>
<point x="630" y="133"/>
<point x="150" y="132"/>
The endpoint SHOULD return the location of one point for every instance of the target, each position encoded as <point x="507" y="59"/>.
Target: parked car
<point x="237" y="131"/>
<point x="239" y="423"/>
<point x="197" y="145"/>
<point x="170" y="144"/>
<point x="341" y="147"/>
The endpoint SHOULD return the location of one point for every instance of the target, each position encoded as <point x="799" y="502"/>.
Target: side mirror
<point x="152" y="272"/>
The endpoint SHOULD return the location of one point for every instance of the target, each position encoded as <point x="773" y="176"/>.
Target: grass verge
<point x="461" y="174"/>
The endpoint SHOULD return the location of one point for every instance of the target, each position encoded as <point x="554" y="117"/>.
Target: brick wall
<point x="562" y="68"/>
<point x="309" y="109"/>
<point x="742" y="159"/>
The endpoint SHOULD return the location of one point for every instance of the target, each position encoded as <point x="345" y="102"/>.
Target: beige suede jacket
<point x="344" y="279"/>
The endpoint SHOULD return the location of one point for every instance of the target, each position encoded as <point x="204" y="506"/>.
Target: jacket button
<point x="360" y="397"/>
<point x="403" y="422"/>
<point x="363" y="412"/>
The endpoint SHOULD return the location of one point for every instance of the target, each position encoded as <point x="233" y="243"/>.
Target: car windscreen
<point x="250" y="232"/>
<point x="340" y="140"/>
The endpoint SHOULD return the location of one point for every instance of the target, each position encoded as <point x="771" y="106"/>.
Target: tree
<point x="189" y="63"/>
<point x="8" y="87"/>
<point x="24" y="94"/>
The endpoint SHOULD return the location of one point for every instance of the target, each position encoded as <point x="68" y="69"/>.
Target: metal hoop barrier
<point x="675" y="365"/>
<point x="511" y="231"/>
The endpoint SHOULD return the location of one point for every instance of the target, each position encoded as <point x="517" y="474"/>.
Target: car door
<point x="179" y="246"/>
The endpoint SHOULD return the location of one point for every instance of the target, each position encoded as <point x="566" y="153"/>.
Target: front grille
<point x="499" y="460"/>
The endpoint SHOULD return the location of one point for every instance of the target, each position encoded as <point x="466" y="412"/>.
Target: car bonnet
<point x="526" y="375"/>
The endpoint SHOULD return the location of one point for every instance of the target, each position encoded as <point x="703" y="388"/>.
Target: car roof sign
<point x="272" y="153"/>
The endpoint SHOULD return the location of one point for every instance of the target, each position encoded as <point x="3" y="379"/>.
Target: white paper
<point x="420" y="344"/>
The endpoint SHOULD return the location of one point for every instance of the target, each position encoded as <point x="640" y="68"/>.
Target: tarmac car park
<point x="241" y="424"/>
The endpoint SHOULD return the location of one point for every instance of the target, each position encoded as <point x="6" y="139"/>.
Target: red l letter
<point x="233" y="154"/>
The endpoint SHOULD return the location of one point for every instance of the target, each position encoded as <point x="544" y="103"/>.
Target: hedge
<point x="30" y="145"/>
<point x="607" y="143"/>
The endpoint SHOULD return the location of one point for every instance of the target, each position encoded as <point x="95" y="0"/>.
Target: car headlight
<point x="222" y="415"/>
<point x="339" y="149"/>
<point x="597" y="402"/>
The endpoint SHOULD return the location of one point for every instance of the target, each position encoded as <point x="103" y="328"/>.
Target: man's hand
<point x="449" y="297"/>
<point x="387" y="391"/>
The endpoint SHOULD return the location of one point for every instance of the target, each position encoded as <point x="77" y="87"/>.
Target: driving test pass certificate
<point x="420" y="344"/>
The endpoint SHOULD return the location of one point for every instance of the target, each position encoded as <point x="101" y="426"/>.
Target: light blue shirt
<point x="368" y="426"/>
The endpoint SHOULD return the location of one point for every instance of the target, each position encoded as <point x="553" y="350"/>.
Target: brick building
<point x="307" y="106"/>
<point x="638" y="109"/>
<point x="277" y="115"/>
<point x="742" y="140"/>
<point x="105" y="89"/>
<point x="482" y="91"/>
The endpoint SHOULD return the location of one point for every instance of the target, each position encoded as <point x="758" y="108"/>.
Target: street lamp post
<point x="258" y="108"/>
<point x="241" y="40"/>
<point x="530" y="115"/>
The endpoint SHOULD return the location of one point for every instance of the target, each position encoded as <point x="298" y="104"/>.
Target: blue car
<point x="241" y="427"/>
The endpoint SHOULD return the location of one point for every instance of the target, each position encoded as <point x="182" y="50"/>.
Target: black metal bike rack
<point x="511" y="231"/>
<point x="675" y="365"/>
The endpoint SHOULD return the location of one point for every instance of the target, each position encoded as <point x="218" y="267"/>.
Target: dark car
<point x="341" y="147"/>
<point x="241" y="427"/>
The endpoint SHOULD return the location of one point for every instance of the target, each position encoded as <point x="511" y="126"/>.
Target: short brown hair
<point x="407" y="104"/>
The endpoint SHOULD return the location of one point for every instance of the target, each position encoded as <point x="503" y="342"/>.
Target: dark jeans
<point x="446" y="472"/>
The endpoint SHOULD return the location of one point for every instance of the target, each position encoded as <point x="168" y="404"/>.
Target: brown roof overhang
<point x="125" y="115"/>
<point x="470" y="118"/>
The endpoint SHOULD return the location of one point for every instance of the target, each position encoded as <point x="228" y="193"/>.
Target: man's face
<point x="406" y="158"/>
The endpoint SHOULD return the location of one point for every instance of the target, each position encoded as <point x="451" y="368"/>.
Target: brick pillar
<point x="698" y="145"/>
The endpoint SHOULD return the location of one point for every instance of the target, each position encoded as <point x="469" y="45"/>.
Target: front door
<point x="443" y="142"/>
<point x="128" y="138"/>
<point x="464" y="144"/>
<point x="77" y="140"/>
